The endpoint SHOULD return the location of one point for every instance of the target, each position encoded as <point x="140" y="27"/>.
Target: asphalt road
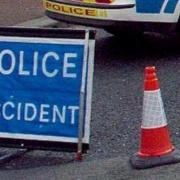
<point x="116" y="107"/>
<point x="16" y="11"/>
<point x="116" y="114"/>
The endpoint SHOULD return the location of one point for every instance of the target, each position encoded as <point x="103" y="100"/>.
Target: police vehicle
<point x="115" y="15"/>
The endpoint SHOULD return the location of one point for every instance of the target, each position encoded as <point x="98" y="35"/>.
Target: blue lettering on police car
<point x="155" y="6"/>
<point x="149" y="6"/>
<point x="171" y="6"/>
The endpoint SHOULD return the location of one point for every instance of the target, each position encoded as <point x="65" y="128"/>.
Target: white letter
<point x="61" y="115"/>
<point x="21" y="65"/>
<point x="4" y="110"/>
<point x="44" y="60"/>
<point x="43" y="112"/>
<point x="73" y="109"/>
<point x="69" y="65"/>
<point x="12" y="64"/>
<point x="28" y="107"/>
<point x="35" y="65"/>
<point x="19" y="111"/>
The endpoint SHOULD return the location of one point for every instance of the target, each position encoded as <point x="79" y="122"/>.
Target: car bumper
<point x="120" y="5"/>
<point x="118" y="25"/>
<point x="82" y="21"/>
<point x="85" y="13"/>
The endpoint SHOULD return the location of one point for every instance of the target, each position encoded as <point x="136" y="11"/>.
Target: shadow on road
<point x="138" y="46"/>
<point x="34" y="159"/>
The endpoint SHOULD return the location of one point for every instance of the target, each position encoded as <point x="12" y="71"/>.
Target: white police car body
<point x="114" y="15"/>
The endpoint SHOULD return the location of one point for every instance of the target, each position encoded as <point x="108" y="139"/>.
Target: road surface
<point x="116" y="108"/>
<point x="17" y="11"/>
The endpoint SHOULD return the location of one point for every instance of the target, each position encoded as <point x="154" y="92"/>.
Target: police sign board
<point x="45" y="87"/>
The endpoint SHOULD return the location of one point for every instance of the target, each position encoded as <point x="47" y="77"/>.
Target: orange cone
<point x="155" y="147"/>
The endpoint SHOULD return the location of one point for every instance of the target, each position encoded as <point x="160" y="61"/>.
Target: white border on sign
<point x="38" y="137"/>
<point x="42" y="40"/>
<point x="89" y="90"/>
<point x="90" y="65"/>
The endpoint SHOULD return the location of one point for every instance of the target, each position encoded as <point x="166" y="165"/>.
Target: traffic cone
<point x="155" y="146"/>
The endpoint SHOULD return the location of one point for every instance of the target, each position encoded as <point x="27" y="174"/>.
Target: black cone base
<point x="138" y="162"/>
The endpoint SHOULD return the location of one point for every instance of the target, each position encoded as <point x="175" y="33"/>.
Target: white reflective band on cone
<point x="153" y="110"/>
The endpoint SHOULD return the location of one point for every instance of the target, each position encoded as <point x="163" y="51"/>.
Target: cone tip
<point x="151" y="81"/>
<point x="150" y="69"/>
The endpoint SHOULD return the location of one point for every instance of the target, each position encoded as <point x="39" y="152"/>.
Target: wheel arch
<point x="178" y="25"/>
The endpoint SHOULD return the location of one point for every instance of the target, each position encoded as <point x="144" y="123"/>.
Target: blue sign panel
<point x="40" y="87"/>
